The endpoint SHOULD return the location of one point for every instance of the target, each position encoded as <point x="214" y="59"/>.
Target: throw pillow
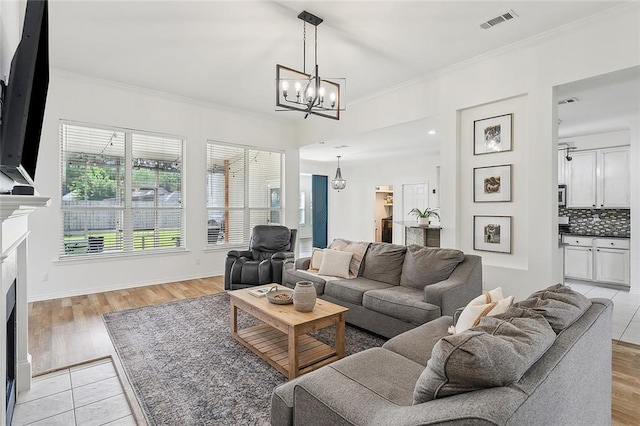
<point x="559" y="304"/>
<point x="495" y="353"/>
<point x="358" y="248"/>
<point x="490" y="303"/>
<point x="423" y="265"/>
<point x="316" y="259"/>
<point x="335" y="263"/>
<point x="383" y="262"/>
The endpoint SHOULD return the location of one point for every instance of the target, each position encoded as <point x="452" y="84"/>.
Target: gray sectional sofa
<point x="557" y="372"/>
<point x="397" y="288"/>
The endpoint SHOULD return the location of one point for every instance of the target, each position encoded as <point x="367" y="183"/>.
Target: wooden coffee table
<point x="282" y="339"/>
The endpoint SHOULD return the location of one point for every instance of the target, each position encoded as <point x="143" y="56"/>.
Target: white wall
<point x="93" y="101"/>
<point x="526" y="72"/>
<point x="352" y="210"/>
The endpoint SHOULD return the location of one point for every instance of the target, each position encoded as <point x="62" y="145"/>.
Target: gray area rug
<point x="187" y="370"/>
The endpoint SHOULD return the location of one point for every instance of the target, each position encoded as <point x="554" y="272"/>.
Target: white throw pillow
<point x="316" y="259"/>
<point x="488" y="304"/>
<point x="335" y="263"/>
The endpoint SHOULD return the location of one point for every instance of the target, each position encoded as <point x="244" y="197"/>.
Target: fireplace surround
<point x="14" y="232"/>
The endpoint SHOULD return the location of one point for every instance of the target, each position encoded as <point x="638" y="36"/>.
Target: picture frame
<point x="493" y="134"/>
<point x="492" y="233"/>
<point x="492" y="184"/>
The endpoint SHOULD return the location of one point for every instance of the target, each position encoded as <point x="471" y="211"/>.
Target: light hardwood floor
<point x="70" y="330"/>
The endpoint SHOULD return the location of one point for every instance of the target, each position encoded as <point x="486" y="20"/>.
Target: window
<point x="121" y="191"/>
<point x="243" y="190"/>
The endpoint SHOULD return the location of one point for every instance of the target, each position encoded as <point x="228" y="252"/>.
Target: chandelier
<point x="308" y="93"/>
<point x="338" y="182"/>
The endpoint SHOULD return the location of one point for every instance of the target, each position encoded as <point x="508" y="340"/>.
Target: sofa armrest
<point x="240" y="253"/>
<point x="282" y="255"/>
<point x="464" y="284"/>
<point x="278" y="265"/>
<point x="303" y="263"/>
<point x="417" y="344"/>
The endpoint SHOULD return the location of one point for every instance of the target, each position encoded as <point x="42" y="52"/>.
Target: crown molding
<point x="166" y="95"/>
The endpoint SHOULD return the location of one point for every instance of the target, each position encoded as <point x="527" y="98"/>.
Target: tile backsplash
<point x="605" y="222"/>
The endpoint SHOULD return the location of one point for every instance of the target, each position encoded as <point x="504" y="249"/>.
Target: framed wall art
<point x="492" y="233"/>
<point x="492" y="134"/>
<point x="492" y="184"/>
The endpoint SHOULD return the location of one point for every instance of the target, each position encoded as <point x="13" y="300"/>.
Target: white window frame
<point x="245" y="208"/>
<point x="127" y="209"/>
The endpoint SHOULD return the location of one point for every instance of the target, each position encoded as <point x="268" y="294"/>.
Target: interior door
<point x="319" y="209"/>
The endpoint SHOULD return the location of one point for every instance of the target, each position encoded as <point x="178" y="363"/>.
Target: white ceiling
<point x="225" y="52"/>
<point x="606" y="103"/>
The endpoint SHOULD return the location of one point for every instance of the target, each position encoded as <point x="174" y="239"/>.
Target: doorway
<point x="383" y="214"/>
<point x="597" y="143"/>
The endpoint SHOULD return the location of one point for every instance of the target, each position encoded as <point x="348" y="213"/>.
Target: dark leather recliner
<point x="262" y="264"/>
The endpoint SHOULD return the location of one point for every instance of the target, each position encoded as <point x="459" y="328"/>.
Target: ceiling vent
<point x="567" y="101"/>
<point x="499" y="19"/>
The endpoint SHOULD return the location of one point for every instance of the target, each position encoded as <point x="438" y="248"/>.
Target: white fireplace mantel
<point x="19" y="205"/>
<point x="14" y="232"/>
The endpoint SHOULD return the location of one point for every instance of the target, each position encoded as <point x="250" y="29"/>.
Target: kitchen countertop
<point x="586" y="234"/>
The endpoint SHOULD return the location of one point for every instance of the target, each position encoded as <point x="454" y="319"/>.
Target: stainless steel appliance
<point x="562" y="195"/>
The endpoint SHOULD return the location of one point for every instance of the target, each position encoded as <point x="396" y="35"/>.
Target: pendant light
<point x="338" y="182"/>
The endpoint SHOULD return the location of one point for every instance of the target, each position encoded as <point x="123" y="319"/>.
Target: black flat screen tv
<point x="23" y="102"/>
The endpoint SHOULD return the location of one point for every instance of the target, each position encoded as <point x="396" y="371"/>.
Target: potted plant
<point x="424" y="215"/>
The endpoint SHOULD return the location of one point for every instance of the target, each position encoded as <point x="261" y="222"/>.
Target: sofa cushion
<point x="335" y="263"/>
<point x="495" y="353"/>
<point x="491" y="303"/>
<point x="358" y="248"/>
<point x="559" y="304"/>
<point x="383" y="262"/>
<point x="352" y="290"/>
<point x="292" y="276"/>
<point x="402" y="303"/>
<point x="424" y="265"/>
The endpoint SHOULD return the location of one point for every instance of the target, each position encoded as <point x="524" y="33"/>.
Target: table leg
<point x="340" y="336"/>
<point x="234" y="320"/>
<point x="293" y="353"/>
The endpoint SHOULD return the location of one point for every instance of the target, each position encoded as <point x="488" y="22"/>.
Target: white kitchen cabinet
<point x="605" y="260"/>
<point x="578" y="263"/>
<point x="562" y="167"/>
<point x="612" y="266"/>
<point x="599" y="178"/>
<point x="612" y="260"/>
<point x="581" y="179"/>
<point x="615" y="178"/>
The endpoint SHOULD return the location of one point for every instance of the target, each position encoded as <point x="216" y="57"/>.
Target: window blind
<point x="243" y="190"/>
<point x="121" y="191"/>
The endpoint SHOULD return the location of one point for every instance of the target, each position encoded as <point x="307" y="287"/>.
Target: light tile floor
<point x="86" y="395"/>
<point x="626" y="309"/>
<point x="91" y="394"/>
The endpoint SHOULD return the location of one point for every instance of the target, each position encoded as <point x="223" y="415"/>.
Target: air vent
<point x="499" y="19"/>
<point x="567" y="101"/>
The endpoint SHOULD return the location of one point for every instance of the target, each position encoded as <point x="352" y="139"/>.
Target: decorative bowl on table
<point x="280" y="297"/>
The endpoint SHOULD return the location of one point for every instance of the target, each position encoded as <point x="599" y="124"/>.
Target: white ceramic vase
<point x="423" y="221"/>
<point x="304" y="296"/>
